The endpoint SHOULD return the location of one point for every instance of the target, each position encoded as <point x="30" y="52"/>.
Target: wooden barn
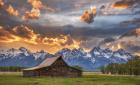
<point x="53" y="67"/>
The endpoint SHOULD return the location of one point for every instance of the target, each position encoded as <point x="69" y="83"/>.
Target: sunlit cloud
<point x="69" y="18"/>
<point x="7" y="37"/>
<point x="33" y="14"/>
<point x="135" y="32"/>
<point x="120" y="6"/>
<point x="12" y="11"/>
<point x="37" y="4"/>
<point x="35" y="11"/>
<point x="115" y="46"/>
<point x="26" y="35"/>
<point x="1" y="3"/>
<point x="88" y="15"/>
<point x="129" y="41"/>
<point x="9" y="9"/>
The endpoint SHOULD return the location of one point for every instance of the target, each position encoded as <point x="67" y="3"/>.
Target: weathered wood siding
<point x="58" y="69"/>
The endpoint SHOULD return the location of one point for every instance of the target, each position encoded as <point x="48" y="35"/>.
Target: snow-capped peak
<point x="25" y="51"/>
<point x="122" y="54"/>
<point x="107" y="53"/>
<point x="87" y="60"/>
<point x="42" y="54"/>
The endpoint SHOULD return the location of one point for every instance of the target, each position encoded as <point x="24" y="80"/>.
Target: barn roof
<point x="47" y="62"/>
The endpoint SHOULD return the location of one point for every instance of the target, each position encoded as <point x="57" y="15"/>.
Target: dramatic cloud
<point x="68" y="5"/>
<point x="35" y="11"/>
<point x="135" y="32"/>
<point x="107" y="40"/>
<point x="135" y="21"/>
<point x="12" y="11"/>
<point x="24" y="34"/>
<point x="88" y="15"/>
<point x="37" y="4"/>
<point x="33" y="14"/>
<point x="51" y="25"/>
<point x="6" y="36"/>
<point x="121" y="5"/>
<point x="1" y="3"/>
<point x="9" y="9"/>
<point x="23" y="31"/>
<point x="129" y="41"/>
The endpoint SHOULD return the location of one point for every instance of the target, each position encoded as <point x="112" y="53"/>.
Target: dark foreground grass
<point x="17" y="79"/>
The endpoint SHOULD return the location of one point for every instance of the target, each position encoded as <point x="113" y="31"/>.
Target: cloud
<point x="107" y="40"/>
<point x="35" y="11"/>
<point x="55" y="37"/>
<point x="121" y="4"/>
<point x="37" y="4"/>
<point x="67" y="5"/>
<point x="23" y="12"/>
<point x="1" y="3"/>
<point x="6" y="36"/>
<point x="12" y="11"/>
<point x="130" y="41"/>
<point x="135" y="21"/>
<point x="33" y="14"/>
<point x="23" y="31"/>
<point x="88" y="15"/>
<point x="24" y="34"/>
<point x="135" y="32"/>
<point x="9" y="9"/>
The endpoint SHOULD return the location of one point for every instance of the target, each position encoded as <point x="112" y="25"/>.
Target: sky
<point x="52" y="25"/>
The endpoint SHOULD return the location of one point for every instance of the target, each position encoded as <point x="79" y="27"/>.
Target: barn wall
<point x="60" y="68"/>
<point x="30" y="73"/>
<point x="57" y="69"/>
<point x="60" y="72"/>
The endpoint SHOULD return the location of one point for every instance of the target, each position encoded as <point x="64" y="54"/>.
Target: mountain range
<point x="88" y="61"/>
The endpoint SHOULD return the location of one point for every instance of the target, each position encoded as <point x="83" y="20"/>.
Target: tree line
<point x="10" y="69"/>
<point x="132" y="67"/>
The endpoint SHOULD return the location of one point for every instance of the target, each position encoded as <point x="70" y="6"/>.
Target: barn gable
<point x="54" y="67"/>
<point x="59" y="62"/>
<point x="46" y="63"/>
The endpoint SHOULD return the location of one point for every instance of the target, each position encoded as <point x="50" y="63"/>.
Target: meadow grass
<point x="86" y="79"/>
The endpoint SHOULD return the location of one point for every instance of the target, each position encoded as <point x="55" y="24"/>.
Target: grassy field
<point x="87" y="79"/>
